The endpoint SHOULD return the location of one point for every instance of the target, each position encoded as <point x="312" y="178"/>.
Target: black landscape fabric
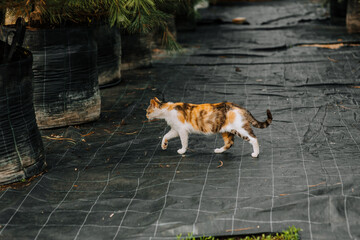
<point x="110" y="179"/>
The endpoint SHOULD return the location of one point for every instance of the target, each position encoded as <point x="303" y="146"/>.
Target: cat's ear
<point x="153" y="102"/>
<point x="157" y="100"/>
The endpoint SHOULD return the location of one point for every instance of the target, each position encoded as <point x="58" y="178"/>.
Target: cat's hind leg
<point x="228" y="142"/>
<point x="184" y="142"/>
<point x="248" y="135"/>
<point x="170" y="135"/>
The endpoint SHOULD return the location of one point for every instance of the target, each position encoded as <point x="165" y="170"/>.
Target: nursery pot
<point x="185" y="22"/>
<point x="338" y="11"/>
<point x="66" y="90"/>
<point x="353" y="16"/>
<point x="108" y="55"/>
<point x="136" y="50"/>
<point x="22" y="152"/>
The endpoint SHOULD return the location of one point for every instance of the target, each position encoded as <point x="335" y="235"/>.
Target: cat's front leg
<point x="184" y="142"/>
<point x="170" y="135"/>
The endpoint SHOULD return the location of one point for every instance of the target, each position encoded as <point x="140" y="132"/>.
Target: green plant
<point x="135" y="16"/>
<point x="292" y="233"/>
<point x="191" y="237"/>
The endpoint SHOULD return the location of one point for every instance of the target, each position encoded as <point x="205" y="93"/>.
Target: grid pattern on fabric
<point x="113" y="181"/>
<point x="22" y="153"/>
<point x="65" y="85"/>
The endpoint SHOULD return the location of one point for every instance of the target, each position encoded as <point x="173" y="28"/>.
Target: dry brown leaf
<point x="22" y="184"/>
<point x="333" y="60"/>
<point x="283" y="194"/>
<point x="355" y="86"/>
<point x="239" y="20"/>
<point x="331" y="46"/>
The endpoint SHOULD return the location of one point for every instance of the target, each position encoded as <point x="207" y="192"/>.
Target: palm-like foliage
<point x="141" y="16"/>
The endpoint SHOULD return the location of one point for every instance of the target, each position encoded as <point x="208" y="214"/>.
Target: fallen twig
<point x="88" y="134"/>
<point x="129" y="133"/>
<point x="317" y="184"/>
<point x="60" y="139"/>
<point x="107" y="131"/>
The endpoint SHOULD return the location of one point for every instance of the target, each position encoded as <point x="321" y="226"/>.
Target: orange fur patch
<point x="230" y="118"/>
<point x="181" y="117"/>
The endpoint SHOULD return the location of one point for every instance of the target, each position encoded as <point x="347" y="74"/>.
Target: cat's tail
<point x="258" y="124"/>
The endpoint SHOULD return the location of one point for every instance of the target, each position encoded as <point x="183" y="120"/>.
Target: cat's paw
<point x="164" y="145"/>
<point x="181" y="151"/>
<point x="254" y="155"/>
<point x="219" y="150"/>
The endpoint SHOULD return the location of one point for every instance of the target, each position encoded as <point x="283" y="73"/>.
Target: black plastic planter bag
<point x="136" y="51"/>
<point x="338" y="12"/>
<point x="109" y="54"/>
<point x="66" y="90"/>
<point x="185" y="22"/>
<point x="353" y="16"/>
<point x="22" y="153"/>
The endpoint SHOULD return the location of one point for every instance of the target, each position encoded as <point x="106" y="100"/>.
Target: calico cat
<point x="226" y="118"/>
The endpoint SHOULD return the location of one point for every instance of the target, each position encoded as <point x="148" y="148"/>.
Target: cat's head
<point x="154" y="109"/>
